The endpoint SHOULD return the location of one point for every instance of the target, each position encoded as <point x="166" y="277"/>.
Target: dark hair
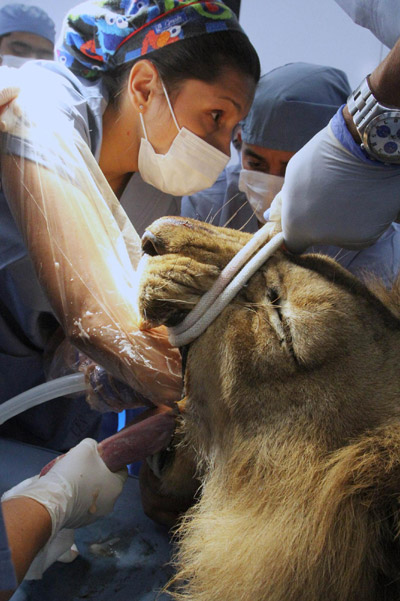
<point x="203" y="57"/>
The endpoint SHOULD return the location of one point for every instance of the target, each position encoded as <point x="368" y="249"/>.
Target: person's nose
<point x="221" y="141"/>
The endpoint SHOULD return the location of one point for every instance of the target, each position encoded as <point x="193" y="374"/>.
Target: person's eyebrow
<point x="235" y="104"/>
<point x="254" y="155"/>
<point x="21" y="46"/>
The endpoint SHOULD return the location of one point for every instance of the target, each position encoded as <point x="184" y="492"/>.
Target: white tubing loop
<point x="226" y="275"/>
<point x="224" y="290"/>
<point x="42" y="393"/>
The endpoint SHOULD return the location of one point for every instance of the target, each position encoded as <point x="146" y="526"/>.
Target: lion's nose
<point x="151" y="245"/>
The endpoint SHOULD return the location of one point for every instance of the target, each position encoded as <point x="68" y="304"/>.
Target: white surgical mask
<point x="260" y="189"/>
<point x="9" y="60"/>
<point x="190" y="165"/>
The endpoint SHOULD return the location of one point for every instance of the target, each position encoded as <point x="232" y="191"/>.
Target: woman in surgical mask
<point x="153" y="88"/>
<point x="291" y="104"/>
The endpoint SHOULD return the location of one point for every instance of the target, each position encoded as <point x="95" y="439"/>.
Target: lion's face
<point x="303" y="337"/>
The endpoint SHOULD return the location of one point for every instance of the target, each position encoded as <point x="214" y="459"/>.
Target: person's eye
<point x="216" y="116"/>
<point x="254" y="165"/>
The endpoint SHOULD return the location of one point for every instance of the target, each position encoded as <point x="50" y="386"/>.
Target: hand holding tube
<point x="77" y="490"/>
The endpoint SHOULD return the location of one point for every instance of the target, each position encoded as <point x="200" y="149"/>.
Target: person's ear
<point x="238" y="139"/>
<point x="144" y="83"/>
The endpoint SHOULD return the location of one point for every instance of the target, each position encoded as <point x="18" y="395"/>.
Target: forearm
<point x="28" y="526"/>
<point x="75" y="247"/>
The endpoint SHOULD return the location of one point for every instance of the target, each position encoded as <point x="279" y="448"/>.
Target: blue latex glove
<point x="332" y="197"/>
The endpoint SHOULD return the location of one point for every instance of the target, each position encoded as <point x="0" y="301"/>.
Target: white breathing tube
<point x="231" y="279"/>
<point x="41" y="394"/>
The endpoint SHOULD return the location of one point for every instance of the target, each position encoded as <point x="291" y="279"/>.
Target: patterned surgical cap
<point x="102" y="34"/>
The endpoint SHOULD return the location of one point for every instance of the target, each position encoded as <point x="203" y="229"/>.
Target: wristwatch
<point x="377" y="124"/>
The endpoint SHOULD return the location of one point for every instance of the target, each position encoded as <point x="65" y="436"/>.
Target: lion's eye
<point x="274" y="296"/>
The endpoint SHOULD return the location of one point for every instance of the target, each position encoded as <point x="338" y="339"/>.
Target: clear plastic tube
<point x="42" y="393"/>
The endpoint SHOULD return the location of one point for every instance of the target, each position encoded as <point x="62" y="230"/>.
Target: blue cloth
<point x="29" y="19"/>
<point x="8" y="581"/>
<point x="339" y="129"/>
<point x="222" y="204"/>
<point x="381" y="259"/>
<point x="292" y="103"/>
<point x="27" y="322"/>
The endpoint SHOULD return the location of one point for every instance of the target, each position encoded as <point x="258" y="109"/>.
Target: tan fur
<point x="293" y="409"/>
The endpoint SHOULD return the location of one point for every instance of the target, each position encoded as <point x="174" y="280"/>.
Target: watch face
<point x="382" y="137"/>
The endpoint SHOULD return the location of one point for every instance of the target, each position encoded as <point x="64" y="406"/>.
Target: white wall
<point x="314" y="31"/>
<point x="282" y="31"/>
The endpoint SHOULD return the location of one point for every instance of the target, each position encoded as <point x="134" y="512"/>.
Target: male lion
<point x="294" y="415"/>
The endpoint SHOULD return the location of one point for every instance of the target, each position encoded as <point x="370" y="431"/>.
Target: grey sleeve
<point x="381" y="17"/>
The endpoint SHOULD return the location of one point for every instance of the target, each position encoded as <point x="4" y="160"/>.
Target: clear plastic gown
<point x="84" y="248"/>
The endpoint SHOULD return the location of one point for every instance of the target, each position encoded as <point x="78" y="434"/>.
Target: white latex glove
<point x="77" y="490"/>
<point x="274" y="213"/>
<point x="9" y="90"/>
<point x="332" y="197"/>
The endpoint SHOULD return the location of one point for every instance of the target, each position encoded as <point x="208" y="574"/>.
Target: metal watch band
<point x="361" y="102"/>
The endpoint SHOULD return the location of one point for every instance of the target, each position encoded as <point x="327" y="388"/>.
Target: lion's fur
<point x="294" y="412"/>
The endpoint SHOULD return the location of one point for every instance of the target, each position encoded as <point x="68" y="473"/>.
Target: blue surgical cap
<point x="29" y="19"/>
<point x="292" y="103"/>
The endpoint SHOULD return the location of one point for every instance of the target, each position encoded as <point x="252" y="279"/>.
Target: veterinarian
<point x="342" y="188"/>
<point x="292" y="103"/>
<point x="36" y="514"/>
<point x="26" y="32"/>
<point x="153" y="89"/>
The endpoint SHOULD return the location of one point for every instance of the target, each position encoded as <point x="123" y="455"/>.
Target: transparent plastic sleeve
<point x="84" y="248"/>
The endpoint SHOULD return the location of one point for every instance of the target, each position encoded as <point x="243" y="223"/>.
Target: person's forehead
<point x="230" y="85"/>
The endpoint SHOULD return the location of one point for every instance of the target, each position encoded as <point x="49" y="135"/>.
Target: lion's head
<point x="293" y="403"/>
<point x="303" y="337"/>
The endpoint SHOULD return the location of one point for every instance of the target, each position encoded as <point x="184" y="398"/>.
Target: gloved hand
<point x="103" y="392"/>
<point x="332" y="197"/>
<point x="106" y="393"/>
<point x="77" y="490"/>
